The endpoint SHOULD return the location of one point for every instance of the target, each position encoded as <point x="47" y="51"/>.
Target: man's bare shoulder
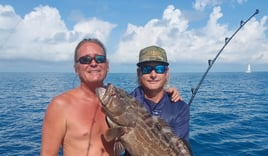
<point x="70" y="94"/>
<point x="63" y="100"/>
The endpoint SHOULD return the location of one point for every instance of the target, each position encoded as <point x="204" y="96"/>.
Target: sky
<point x="41" y="35"/>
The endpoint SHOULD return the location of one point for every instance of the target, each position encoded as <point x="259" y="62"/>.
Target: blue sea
<point x="229" y="115"/>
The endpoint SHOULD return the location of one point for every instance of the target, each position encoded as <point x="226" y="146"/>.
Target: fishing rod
<point x="211" y="62"/>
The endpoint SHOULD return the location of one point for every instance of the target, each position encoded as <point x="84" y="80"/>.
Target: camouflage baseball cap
<point x="152" y="54"/>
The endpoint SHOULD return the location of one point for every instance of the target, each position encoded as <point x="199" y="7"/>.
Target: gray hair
<point x="92" y="40"/>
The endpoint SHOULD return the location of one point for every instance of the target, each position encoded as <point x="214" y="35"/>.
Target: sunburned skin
<point x="74" y="120"/>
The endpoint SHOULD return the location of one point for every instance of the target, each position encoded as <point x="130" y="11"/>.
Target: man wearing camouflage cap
<point x="153" y="74"/>
<point x="153" y="53"/>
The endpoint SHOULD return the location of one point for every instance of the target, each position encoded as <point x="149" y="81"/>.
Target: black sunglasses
<point x="159" y="69"/>
<point x="87" y="59"/>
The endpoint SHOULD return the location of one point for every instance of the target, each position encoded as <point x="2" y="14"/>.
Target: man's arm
<point x="54" y="127"/>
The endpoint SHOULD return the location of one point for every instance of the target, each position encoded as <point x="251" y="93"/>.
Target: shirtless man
<point x="74" y="119"/>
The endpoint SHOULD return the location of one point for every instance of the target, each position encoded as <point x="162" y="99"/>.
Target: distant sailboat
<point x="249" y="69"/>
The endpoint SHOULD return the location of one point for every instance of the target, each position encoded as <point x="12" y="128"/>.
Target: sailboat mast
<point x="249" y="69"/>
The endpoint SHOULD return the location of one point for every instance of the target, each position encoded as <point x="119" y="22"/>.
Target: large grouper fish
<point x="140" y="133"/>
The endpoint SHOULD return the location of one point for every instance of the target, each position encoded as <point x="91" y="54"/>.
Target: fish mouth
<point x="100" y="91"/>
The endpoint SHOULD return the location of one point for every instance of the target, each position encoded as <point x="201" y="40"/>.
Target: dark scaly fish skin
<point x="141" y="133"/>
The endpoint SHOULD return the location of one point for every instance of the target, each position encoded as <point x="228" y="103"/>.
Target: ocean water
<point x="229" y="115"/>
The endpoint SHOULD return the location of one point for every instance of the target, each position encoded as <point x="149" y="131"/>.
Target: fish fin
<point x="119" y="149"/>
<point x="113" y="133"/>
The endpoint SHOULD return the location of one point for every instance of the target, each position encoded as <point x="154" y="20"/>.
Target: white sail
<point x="249" y="69"/>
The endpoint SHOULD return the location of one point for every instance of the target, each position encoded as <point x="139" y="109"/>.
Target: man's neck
<point x="154" y="96"/>
<point x="90" y="89"/>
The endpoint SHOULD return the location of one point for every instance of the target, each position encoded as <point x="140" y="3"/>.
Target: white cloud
<point x="8" y="23"/>
<point x="8" y="17"/>
<point x="43" y="35"/>
<point x="241" y="1"/>
<point x="202" y="4"/>
<point x="94" y="27"/>
<point x="183" y="44"/>
<point x="156" y="31"/>
<point x="250" y="45"/>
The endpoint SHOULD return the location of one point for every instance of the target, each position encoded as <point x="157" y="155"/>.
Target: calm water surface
<point x="228" y="115"/>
